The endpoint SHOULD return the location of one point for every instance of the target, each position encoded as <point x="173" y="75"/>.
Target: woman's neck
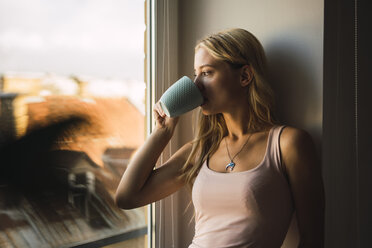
<point x="237" y="124"/>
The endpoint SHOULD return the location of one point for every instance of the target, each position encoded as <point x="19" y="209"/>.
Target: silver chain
<point x="228" y="152"/>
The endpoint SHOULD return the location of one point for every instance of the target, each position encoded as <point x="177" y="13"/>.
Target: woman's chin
<point x="206" y="111"/>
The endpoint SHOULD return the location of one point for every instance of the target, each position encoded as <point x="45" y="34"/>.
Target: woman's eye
<point x="203" y="73"/>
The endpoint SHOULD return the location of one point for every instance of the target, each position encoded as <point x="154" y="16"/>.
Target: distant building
<point x="31" y="100"/>
<point x="87" y="162"/>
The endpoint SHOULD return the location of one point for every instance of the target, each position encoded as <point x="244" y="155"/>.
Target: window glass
<point x="72" y="102"/>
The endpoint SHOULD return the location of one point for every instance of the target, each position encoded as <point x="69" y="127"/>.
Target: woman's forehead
<point x="204" y="58"/>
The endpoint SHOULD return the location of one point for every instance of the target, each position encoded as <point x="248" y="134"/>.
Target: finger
<point x="159" y="109"/>
<point x="159" y="115"/>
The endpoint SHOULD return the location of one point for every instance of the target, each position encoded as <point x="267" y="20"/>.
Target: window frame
<point x="161" y="72"/>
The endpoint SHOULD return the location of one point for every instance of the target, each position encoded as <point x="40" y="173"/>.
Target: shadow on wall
<point x="294" y="81"/>
<point x="297" y="89"/>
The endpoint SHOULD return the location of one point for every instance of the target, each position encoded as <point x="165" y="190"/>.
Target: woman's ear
<point x="246" y="75"/>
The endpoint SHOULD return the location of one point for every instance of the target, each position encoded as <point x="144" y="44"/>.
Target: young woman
<point x="248" y="174"/>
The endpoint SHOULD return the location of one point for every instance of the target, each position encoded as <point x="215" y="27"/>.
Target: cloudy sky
<point x="99" y="38"/>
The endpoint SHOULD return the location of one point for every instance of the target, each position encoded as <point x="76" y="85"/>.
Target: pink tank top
<point x="251" y="208"/>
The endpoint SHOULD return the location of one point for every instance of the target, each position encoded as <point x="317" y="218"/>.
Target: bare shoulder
<point x="292" y="137"/>
<point x="296" y="144"/>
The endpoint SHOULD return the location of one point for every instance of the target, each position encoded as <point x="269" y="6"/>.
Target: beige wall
<point x="291" y="32"/>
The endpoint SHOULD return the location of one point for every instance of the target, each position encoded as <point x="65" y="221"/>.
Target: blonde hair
<point x="237" y="47"/>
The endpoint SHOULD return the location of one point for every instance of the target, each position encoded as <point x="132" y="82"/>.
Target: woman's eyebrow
<point x="205" y="65"/>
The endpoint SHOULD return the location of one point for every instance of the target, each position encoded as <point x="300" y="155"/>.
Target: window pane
<point x="72" y="96"/>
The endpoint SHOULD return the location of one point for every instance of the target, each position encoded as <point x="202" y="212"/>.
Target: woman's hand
<point x="162" y="120"/>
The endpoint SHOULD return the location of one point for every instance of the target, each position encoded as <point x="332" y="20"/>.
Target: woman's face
<point x="219" y="83"/>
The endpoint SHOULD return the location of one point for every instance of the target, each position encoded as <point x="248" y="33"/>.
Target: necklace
<point x="231" y="165"/>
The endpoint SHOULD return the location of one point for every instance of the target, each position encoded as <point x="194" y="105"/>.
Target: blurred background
<point x="72" y="105"/>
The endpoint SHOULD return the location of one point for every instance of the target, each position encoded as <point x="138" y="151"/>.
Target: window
<point x="72" y="114"/>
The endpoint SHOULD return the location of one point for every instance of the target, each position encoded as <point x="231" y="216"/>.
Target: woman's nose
<point x="199" y="83"/>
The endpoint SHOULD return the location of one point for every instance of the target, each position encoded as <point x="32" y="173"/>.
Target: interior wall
<point x="291" y="32"/>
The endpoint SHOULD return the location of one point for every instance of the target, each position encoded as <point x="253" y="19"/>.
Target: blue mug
<point x="181" y="97"/>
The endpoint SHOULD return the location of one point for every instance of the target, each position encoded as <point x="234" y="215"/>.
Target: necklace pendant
<point x="230" y="166"/>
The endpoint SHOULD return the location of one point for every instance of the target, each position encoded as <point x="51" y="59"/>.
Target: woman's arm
<point x="305" y="178"/>
<point x="140" y="183"/>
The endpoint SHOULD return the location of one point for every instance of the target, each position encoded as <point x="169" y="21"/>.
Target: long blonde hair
<point x="237" y="47"/>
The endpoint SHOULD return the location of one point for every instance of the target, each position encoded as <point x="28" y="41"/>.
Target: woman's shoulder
<point x="295" y="143"/>
<point x="293" y="139"/>
<point x="291" y="134"/>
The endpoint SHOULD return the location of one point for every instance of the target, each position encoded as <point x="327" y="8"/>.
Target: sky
<point x="95" y="38"/>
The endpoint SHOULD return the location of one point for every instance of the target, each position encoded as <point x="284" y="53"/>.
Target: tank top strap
<point x="274" y="149"/>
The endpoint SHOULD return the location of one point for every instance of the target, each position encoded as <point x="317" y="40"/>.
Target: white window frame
<point x="162" y="71"/>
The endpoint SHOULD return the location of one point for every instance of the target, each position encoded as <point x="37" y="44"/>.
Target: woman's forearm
<point x="141" y="166"/>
